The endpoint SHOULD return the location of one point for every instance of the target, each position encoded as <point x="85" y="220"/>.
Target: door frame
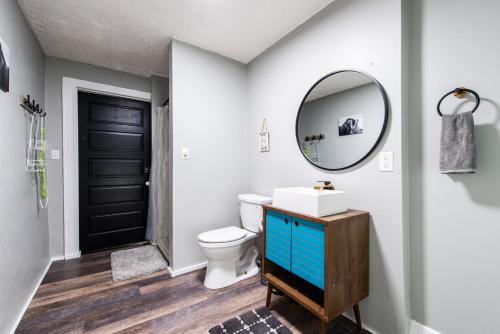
<point x="71" y="209"/>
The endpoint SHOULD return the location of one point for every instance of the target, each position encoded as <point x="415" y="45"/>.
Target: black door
<point x="115" y="155"/>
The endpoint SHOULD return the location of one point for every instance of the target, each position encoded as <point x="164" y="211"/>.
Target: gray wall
<point x="346" y="35"/>
<point x="322" y="116"/>
<point x="208" y="98"/>
<point x="455" y="225"/>
<point x="55" y="70"/>
<point x="24" y="238"/>
<point x="159" y="91"/>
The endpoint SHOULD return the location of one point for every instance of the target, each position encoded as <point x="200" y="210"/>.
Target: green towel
<point x="41" y="167"/>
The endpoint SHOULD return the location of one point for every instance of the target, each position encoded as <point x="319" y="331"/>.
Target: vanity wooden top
<point x="322" y="220"/>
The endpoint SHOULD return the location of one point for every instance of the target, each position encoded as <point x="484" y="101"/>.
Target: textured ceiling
<point x="133" y="35"/>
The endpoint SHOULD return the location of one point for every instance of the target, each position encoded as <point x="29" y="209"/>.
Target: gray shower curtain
<point x="157" y="226"/>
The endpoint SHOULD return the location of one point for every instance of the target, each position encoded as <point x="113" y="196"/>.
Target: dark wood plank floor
<point x="78" y="296"/>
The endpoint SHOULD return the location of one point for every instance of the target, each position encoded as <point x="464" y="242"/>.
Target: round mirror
<point x="341" y="119"/>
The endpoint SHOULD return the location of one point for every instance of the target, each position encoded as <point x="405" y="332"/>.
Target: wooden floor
<point x="78" y="296"/>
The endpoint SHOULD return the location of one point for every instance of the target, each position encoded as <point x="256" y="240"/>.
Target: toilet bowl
<point x="226" y="263"/>
<point x="231" y="251"/>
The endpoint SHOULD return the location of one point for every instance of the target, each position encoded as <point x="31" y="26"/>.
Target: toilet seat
<point x="222" y="235"/>
<point x="247" y="235"/>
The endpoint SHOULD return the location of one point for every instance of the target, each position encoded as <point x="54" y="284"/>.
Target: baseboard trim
<point x="418" y="328"/>
<point x="187" y="269"/>
<point x="28" y="302"/>
<point x="73" y="255"/>
<point x="370" y="329"/>
<point x="68" y="257"/>
<point x="57" y="258"/>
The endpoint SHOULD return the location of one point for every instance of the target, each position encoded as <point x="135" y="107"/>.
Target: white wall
<point x="455" y="224"/>
<point x="208" y="98"/>
<point x="364" y="35"/>
<point x="24" y="238"/>
<point x="55" y="70"/>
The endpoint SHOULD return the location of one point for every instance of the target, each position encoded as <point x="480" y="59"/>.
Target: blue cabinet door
<point x="308" y="251"/>
<point x="278" y="238"/>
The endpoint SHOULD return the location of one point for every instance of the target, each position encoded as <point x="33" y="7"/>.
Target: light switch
<point x="386" y="162"/>
<point x="184" y="153"/>
<point x="55" y="154"/>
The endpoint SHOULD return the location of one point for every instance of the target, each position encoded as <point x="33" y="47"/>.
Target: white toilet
<point x="230" y="251"/>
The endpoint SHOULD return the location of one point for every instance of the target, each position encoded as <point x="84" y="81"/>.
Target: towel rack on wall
<point x="459" y="93"/>
<point x="31" y="106"/>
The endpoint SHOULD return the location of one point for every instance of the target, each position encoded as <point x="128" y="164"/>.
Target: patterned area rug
<point x="258" y="321"/>
<point x="129" y="263"/>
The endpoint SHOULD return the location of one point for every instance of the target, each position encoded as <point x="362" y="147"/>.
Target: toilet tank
<point x="251" y="210"/>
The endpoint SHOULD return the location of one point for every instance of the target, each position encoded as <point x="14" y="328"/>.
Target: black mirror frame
<point x="382" y="132"/>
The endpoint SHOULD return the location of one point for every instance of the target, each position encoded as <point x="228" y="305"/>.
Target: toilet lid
<point x="226" y="234"/>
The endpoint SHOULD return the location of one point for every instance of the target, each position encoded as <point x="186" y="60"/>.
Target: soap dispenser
<point x="325" y="185"/>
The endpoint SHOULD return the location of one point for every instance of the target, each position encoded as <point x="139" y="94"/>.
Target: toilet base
<point x="221" y="274"/>
<point x="250" y="273"/>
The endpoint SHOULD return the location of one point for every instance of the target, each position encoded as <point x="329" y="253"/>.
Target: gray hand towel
<point x="458" y="147"/>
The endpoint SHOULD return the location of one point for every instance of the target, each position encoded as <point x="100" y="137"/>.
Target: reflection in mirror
<point x="341" y="120"/>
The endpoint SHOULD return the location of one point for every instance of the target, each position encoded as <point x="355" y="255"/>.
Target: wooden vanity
<point x="321" y="263"/>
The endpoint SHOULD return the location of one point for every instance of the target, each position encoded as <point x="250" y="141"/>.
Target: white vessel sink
<point x="309" y="201"/>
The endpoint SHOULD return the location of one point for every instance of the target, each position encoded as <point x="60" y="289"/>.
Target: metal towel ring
<point x="459" y="93"/>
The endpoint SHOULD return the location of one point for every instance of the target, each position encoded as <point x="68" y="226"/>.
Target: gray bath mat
<point x="258" y="321"/>
<point x="129" y="263"/>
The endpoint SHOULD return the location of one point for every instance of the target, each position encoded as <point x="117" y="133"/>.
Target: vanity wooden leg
<point x="269" y="294"/>
<point x="357" y="314"/>
<point x="322" y="327"/>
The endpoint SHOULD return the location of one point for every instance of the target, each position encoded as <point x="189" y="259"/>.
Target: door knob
<point x="147" y="183"/>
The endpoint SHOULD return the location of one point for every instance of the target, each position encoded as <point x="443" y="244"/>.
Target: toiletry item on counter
<point x="325" y="185"/>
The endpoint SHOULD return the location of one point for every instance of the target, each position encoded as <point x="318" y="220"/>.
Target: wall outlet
<point x="386" y="162"/>
<point x="55" y="154"/>
<point x="184" y="153"/>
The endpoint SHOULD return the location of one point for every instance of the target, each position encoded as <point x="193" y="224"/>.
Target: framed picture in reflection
<point x="351" y="125"/>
